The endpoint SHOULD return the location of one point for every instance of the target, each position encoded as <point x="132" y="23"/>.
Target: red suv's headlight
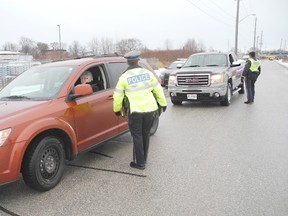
<point x="4" y="134"/>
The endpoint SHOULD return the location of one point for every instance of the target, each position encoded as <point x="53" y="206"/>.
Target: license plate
<point x="192" y="96"/>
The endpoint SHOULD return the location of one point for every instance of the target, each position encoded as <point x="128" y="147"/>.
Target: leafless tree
<point x="75" y="49"/>
<point x="42" y="47"/>
<point x="94" y="46"/>
<point x="9" y="46"/>
<point x="168" y="44"/>
<point x="200" y="46"/>
<point x="83" y="51"/>
<point x="107" y="45"/>
<point x="54" y="45"/>
<point x="27" y="45"/>
<point x="211" y="49"/>
<point x="191" y="45"/>
<point x="127" y="45"/>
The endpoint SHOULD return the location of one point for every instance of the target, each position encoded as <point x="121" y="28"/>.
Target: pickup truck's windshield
<point x="207" y="60"/>
<point x="38" y="83"/>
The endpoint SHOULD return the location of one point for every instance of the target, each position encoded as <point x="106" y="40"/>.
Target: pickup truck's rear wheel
<point x="43" y="163"/>
<point x="227" y="99"/>
<point x="176" y="102"/>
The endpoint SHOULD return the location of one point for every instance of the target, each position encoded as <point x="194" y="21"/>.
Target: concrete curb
<point x="285" y="65"/>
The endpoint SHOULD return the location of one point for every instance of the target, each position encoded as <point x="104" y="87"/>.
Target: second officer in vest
<point x="251" y="72"/>
<point x="143" y="91"/>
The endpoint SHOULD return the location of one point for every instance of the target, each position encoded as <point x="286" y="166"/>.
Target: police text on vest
<point x="138" y="78"/>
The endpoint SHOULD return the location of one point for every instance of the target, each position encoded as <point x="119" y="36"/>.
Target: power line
<point x="244" y="7"/>
<point x="207" y="13"/>
<point x="251" y="7"/>
<point x="247" y="13"/>
<point x="222" y="9"/>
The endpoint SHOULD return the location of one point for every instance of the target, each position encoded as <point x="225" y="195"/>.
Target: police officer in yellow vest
<point x="251" y="72"/>
<point x="143" y="91"/>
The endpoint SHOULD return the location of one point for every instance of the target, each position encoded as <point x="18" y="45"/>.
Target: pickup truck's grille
<point x="193" y="79"/>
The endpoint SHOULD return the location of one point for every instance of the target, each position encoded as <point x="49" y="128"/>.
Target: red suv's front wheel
<point x="43" y="163"/>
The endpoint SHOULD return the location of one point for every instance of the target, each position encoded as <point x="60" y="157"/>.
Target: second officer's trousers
<point x="140" y="125"/>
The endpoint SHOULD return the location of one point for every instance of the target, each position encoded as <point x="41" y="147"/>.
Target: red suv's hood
<point x="12" y="108"/>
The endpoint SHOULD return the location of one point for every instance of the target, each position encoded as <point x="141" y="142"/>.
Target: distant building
<point x="4" y="80"/>
<point x="54" y="55"/>
<point x="12" y="64"/>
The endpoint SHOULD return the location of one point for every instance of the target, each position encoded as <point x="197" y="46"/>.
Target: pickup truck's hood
<point x="13" y="108"/>
<point x="200" y="70"/>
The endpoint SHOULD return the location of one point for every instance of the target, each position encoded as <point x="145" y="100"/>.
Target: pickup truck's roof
<point x="211" y="53"/>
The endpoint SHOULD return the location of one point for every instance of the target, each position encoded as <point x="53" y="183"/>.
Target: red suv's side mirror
<point x="82" y="90"/>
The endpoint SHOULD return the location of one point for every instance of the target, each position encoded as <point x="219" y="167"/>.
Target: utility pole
<point x="236" y="29"/>
<point x="281" y="44"/>
<point x="59" y="36"/>
<point x="257" y="42"/>
<point x="255" y="33"/>
<point x="261" y="41"/>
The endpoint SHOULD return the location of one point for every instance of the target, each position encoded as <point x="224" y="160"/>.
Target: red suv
<point x="47" y="117"/>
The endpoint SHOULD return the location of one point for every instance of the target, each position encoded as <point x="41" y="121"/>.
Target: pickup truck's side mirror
<point x="179" y="66"/>
<point x="235" y="64"/>
<point x="81" y="90"/>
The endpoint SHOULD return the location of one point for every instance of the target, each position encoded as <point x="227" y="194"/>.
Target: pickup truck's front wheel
<point x="176" y="102"/>
<point x="43" y="163"/>
<point x="242" y="91"/>
<point x="227" y="99"/>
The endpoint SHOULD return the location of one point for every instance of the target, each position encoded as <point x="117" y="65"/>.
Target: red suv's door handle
<point x="110" y="97"/>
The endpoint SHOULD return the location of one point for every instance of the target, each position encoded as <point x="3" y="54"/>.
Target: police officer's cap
<point x="252" y="54"/>
<point x="132" y="55"/>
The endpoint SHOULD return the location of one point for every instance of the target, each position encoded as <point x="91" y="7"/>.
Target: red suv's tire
<point x="44" y="163"/>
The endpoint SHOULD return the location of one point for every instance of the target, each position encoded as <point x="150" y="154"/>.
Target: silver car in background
<point x="164" y="75"/>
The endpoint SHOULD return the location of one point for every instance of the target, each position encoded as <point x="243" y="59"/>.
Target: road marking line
<point x="8" y="211"/>
<point x="107" y="170"/>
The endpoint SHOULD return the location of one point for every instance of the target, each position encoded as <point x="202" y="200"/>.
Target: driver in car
<point x="87" y="78"/>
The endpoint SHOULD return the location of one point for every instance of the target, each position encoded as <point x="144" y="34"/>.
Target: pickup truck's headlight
<point x="4" y="134"/>
<point x="172" y="80"/>
<point x="217" y="78"/>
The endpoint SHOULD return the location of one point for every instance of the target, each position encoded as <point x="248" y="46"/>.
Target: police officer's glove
<point x="118" y="113"/>
<point x="164" y="109"/>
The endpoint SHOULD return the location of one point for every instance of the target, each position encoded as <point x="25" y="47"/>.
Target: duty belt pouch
<point x="126" y="104"/>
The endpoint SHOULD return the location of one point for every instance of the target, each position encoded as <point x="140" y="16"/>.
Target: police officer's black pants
<point x="250" y="89"/>
<point x="140" y="125"/>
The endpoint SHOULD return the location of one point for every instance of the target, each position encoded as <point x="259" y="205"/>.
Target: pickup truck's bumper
<point x="209" y="93"/>
<point x="9" y="162"/>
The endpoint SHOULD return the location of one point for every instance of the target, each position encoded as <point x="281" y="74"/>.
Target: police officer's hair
<point x="252" y="54"/>
<point x="88" y="74"/>
<point x="131" y="63"/>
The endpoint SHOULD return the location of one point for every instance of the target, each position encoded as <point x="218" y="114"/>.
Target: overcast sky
<point x="211" y="22"/>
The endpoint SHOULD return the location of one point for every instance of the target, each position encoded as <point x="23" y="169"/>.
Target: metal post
<point x="236" y="30"/>
<point x="255" y="33"/>
<point x="59" y="36"/>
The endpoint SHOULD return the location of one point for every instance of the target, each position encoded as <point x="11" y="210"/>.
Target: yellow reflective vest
<point x="142" y="90"/>
<point x="254" y="67"/>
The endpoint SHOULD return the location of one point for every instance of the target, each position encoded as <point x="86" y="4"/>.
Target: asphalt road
<point x="204" y="160"/>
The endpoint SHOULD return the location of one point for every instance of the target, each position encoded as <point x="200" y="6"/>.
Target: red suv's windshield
<point x="39" y="83"/>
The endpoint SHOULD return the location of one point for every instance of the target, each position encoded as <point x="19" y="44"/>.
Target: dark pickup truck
<point x="207" y="77"/>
